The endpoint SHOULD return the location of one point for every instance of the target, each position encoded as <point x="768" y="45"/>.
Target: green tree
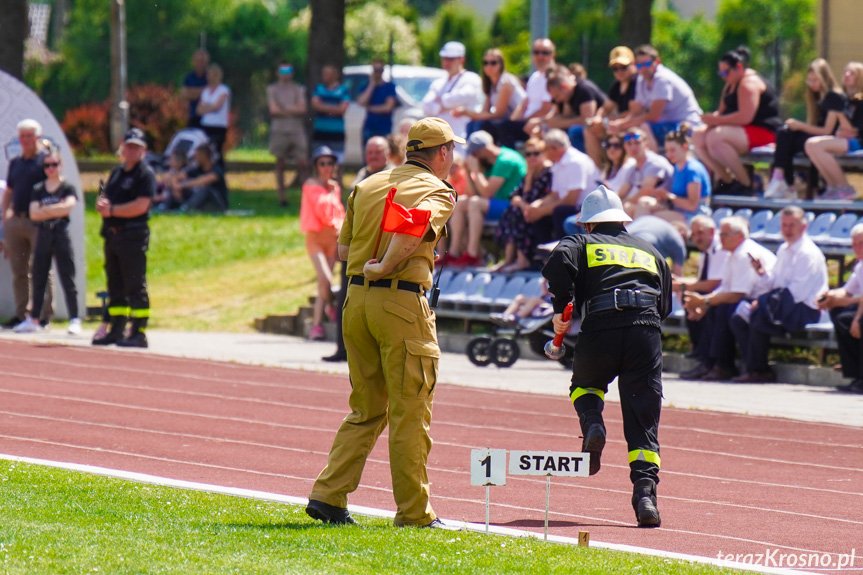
<point x="455" y="21"/>
<point x="14" y="29"/>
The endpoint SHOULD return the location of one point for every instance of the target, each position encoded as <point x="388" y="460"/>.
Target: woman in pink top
<point x="321" y="217"/>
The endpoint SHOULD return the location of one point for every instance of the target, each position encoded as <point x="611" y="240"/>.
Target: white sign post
<point x="487" y="467"/>
<point x="548" y="463"/>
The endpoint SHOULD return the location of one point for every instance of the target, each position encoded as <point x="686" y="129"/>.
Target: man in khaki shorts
<point x="286" y="101"/>
<point x="389" y="331"/>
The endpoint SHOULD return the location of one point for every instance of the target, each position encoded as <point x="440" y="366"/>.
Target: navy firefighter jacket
<point x="584" y="266"/>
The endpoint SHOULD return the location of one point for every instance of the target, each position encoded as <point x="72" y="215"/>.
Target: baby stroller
<point x="185" y="141"/>
<point x="504" y="351"/>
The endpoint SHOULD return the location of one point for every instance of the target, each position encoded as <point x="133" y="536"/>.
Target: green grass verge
<point x="57" y="521"/>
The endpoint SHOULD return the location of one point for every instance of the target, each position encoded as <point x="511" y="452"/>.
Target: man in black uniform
<point x="124" y="207"/>
<point x="622" y="288"/>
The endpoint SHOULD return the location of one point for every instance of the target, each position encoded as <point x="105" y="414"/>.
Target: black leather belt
<point x="402" y="285"/>
<point x="621" y="299"/>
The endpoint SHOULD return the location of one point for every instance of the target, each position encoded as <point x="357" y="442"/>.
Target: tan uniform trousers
<point x="393" y="358"/>
<point x="21" y="236"/>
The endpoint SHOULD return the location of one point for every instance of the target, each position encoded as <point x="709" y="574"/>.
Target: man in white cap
<point x="621" y="286"/>
<point x="460" y="89"/>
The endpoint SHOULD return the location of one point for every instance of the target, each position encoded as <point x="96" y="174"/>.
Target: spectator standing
<point x="124" y="207"/>
<point x="711" y="268"/>
<point x="794" y="284"/>
<point x="330" y="103"/>
<point x="650" y="174"/>
<point x="193" y="85"/>
<point x="503" y="94"/>
<point x="203" y="185"/>
<point x="321" y="217"/>
<point x="747" y="118"/>
<point x="376" y="161"/>
<point x="576" y="100"/>
<point x="690" y="185"/>
<point x="662" y="99"/>
<point x="515" y="233"/>
<point x="25" y="171"/>
<point x="825" y="102"/>
<point x="494" y="172"/>
<point x="537" y="102"/>
<point x="286" y="102"/>
<point x="715" y="348"/>
<point x="573" y="175"/>
<point x="379" y="99"/>
<point x="846" y="314"/>
<point x="214" y="105"/>
<point x="52" y="202"/>
<point x="823" y="149"/>
<point x="460" y="89"/>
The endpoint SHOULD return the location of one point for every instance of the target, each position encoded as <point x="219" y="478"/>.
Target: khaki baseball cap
<point x="621" y="56"/>
<point x="430" y="132"/>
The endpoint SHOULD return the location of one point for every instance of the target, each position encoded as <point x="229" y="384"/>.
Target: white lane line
<point x="438" y="422"/>
<point x="384" y="514"/>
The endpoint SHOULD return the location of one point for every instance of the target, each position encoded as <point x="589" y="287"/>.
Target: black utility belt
<point x="402" y="285"/>
<point x="53" y="225"/>
<point x="621" y="299"/>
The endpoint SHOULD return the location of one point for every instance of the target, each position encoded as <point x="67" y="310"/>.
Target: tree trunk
<point x="326" y="39"/>
<point x="14" y="29"/>
<point x="635" y="22"/>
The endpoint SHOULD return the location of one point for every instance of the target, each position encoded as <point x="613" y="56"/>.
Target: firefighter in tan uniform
<point x="390" y="333"/>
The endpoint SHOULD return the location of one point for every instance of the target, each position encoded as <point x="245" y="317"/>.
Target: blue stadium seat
<point x="744" y="213"/>
<point x="490" y="291"/>
<point x="720" y="214"/>
<point x="445" y="278"/>
<point x="840" y="232"/>
<point x="456" y="286"/>
<point x="772" y="231"/>
<point x="533" y="286"/>
<point x="758" y="222"/>
<point x="821" y="224"/>
<point x="510" y="290"/>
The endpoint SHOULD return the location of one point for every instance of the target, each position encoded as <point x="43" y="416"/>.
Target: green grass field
<point x="56" y="521"/>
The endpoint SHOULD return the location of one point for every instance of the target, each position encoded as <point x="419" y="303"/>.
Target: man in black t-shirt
<point x="124" y="205"/>
<point x="25" y="171"/>
<point x="205" y="181"/>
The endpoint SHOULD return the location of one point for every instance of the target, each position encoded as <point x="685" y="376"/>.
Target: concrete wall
<point x="18" y="102"/>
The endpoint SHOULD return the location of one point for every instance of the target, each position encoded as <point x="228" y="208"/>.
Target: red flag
<point x="402" y="220"/>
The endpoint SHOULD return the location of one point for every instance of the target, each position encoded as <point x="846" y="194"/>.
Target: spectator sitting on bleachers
<point x="650" y="172"/>
<point x="573" y="176"/>
<point x="396" y="149"/>
<point x="711" y="267"/>
<point x="846" y="313"/>
<point x="748" y="117"/>
<point x="206" y="182"/>
<point x="460" y="89"/>
<point x="620" y="93"/>
<point x="668" y="238"/>
<point x="575" y="101"/>
<point x="715" y="348"/>
<point x="524" y="306"/>
<point x="690" y="184"/>
<point x="518" y="230"/>
<point x="537" y="102"/>
<point x="503" y="94"/>
<point x="493" y="172"/>
<point x="616" y="164"/>
<point x="794" y="284"/>
<point x="662" y="100"/>
<point x="166" y="197"/>
<point x="825" y="102"/>
<point x="822" y="149"/>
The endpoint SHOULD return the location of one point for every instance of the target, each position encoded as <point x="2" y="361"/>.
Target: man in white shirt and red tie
<point x="794" y="285"/>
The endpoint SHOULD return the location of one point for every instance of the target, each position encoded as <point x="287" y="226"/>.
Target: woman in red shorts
<point x="747" y="118"/>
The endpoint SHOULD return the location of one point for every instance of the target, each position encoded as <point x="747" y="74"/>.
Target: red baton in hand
<point x="555" y="348"/>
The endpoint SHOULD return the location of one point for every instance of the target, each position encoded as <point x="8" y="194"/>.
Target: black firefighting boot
<point x="137" y="336"/>
<point x="644" y="503"/>
<point x="593" y="432"/>
<point x="115" y="333"/>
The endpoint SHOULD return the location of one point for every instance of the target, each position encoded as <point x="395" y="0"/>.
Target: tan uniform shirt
<point x="416" y="187"/>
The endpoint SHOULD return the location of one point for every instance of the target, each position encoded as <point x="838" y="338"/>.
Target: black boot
<point x="136" y="337"/>
<point x="115" y="334"/>
<point x="644" y="503"/>
<point x="593" y="432"/>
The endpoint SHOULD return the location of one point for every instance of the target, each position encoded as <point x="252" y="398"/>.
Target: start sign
<point x="561" y="463"/>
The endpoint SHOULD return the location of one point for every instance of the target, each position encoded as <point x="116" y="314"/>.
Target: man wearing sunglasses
<point x="537" y="103"/>
<point x="663" y="100"/>
<point x="459" y="89"/>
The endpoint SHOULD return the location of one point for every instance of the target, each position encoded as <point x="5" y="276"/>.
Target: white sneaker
<point x="74" y="326"/>
<point x="777" y="188"/>
<point x="27" y="326"/>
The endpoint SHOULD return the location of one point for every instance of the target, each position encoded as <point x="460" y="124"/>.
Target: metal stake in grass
<point x="547" y="498"/>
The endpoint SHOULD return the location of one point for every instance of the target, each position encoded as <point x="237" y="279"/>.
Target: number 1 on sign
<point x="487" y="464"/>
<point x="488" y="467"/>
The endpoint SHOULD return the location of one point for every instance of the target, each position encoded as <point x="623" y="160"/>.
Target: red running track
<point x="730" y="483"/>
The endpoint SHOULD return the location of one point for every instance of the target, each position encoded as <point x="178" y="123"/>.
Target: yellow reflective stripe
<point x="139" y="313"/>
<point x="615" y="255"/>
<point x="579" y="391"/>
<point x="118" y="311"/>
<point x="644" y="455"/>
